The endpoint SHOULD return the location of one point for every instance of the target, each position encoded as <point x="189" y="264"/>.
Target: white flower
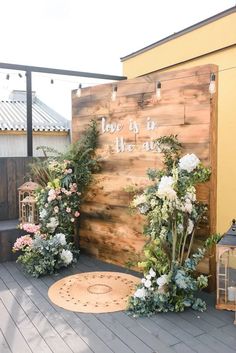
<point x="188" y="207"/>
<point x="162" y="280"/>
<point x="42" y="214"/>
<point x="189" y="162"/>
<point x="191" y="193"/>
<point x="148" y="276"/>
<point x="52" y="224"/>
<point x="163" y="233"/>
<point x="165" y="188"/>
<point x="66" y="256"/>
<point x="140" y="293"/>
<point x="143" y="280"/>
<point x="148" y="283"/>
<point x="152" y="273"/>
<point x="61" y="238"/>
<point x="190" y="226"/>
<point x="138" y="200"/>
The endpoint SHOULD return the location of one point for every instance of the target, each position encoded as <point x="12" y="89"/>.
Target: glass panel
<point x="223" y="278"/>
<point x="232" y="276"/>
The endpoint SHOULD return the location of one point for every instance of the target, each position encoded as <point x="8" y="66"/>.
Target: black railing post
<point x="29" y="113"/>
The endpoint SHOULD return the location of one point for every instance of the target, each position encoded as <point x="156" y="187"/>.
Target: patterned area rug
<point x="94" y="292"/>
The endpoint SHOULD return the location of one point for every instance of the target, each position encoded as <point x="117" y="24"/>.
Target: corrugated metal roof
<point x="13" y="117"/>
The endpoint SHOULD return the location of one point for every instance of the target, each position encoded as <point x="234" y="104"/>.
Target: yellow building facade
<point x="212" y="41"/>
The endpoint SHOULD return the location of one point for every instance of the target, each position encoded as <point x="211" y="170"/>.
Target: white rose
<point x="140" y="293"/>
<point x="152" y="273"/>
<point x="148" y="276"/>
<point x="165" y="188"/>
<point x="189" y="162"/>
<point x="148" y="283"/>
<point x="52" y="224"/>
<point x="162" y="280"/>
<point x="61" y="238"/>
<point x="66" y="256"/>
<point x="190" y="226"/>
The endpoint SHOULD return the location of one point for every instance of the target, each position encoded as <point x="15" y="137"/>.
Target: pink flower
<point x="77" y="214"/>
<point x="56" y="209"/>
<point x="68" y="171"/>
<point x="30" y="227"/>
<point x="68" y="209"/>
<point x="22" y="242"/>
<point x="73" y="187"/>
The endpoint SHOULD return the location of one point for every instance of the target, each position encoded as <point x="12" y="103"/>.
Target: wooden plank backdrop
<point x="107" y="229"/>
<point x="12" y="174"/>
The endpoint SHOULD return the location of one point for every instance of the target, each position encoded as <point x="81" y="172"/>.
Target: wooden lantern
<point x="226" y="270"/>
<point x="28" y="212"/>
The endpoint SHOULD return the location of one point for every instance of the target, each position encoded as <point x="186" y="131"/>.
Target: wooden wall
<point x="107" y="229"/>
<point x="12" y="173"/>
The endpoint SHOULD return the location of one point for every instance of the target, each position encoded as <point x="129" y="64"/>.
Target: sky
<point x="86" y="35"/>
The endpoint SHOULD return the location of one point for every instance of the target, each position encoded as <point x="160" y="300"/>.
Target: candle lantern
<point x="226" y="270"/>
<point x="28" y="212"/>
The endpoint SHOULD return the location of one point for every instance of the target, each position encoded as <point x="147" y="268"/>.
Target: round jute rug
<point x="94" y="292"/>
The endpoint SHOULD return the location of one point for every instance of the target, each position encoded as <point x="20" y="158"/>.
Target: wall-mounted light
<point x="114" y="93"/>
<point x="158" y="90"/>
<point x="52" y="81"/>
<point x="79" y="90"/>
<point x="7" y="77"/>
<point x="212" y="85"/>
<point x="20" y="75"/>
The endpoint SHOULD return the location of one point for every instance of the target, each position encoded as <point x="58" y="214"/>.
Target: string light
<point x="158" y="90"/>
<point x="114" y="93"/>
<point x="79" y="90"/>
<point x="212" y="85"/>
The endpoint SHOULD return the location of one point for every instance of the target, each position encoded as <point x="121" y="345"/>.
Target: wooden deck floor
<point x="29" y="322"/>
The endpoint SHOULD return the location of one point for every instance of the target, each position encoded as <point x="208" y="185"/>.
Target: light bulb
<point x="79" y="90"/>
<point x="212" y="85"/>
<point x="114" y="93"/>
<point x="158" y="90"/>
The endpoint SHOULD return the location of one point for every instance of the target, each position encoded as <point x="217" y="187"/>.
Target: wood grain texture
<point x="107" y="230"/>
<point x="12" y="174"/>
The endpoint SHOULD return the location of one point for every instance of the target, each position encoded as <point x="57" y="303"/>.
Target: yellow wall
<point x="219" y="34"/>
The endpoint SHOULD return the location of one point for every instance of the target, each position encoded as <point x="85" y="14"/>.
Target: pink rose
<point x="68" y="209"/>
<point x="77" y="214"/>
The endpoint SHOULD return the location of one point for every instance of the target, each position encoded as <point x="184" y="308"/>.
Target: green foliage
<point x="170" y="147"/>
<point x="80" y="154"/>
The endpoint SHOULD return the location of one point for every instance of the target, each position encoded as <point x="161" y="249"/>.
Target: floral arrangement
<point x="49" y="245"/>
<point x="59" y="201"/>
<point x="173" y="214"/>
<point x="43" y="255"/>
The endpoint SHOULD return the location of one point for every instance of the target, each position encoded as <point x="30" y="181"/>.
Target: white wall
<point x="16" y="145"/>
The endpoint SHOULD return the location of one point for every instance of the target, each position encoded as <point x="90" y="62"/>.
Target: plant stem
<point x="191" y="243"/>
<point x="174" y="240"/>
<point x="183" y="246"/>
